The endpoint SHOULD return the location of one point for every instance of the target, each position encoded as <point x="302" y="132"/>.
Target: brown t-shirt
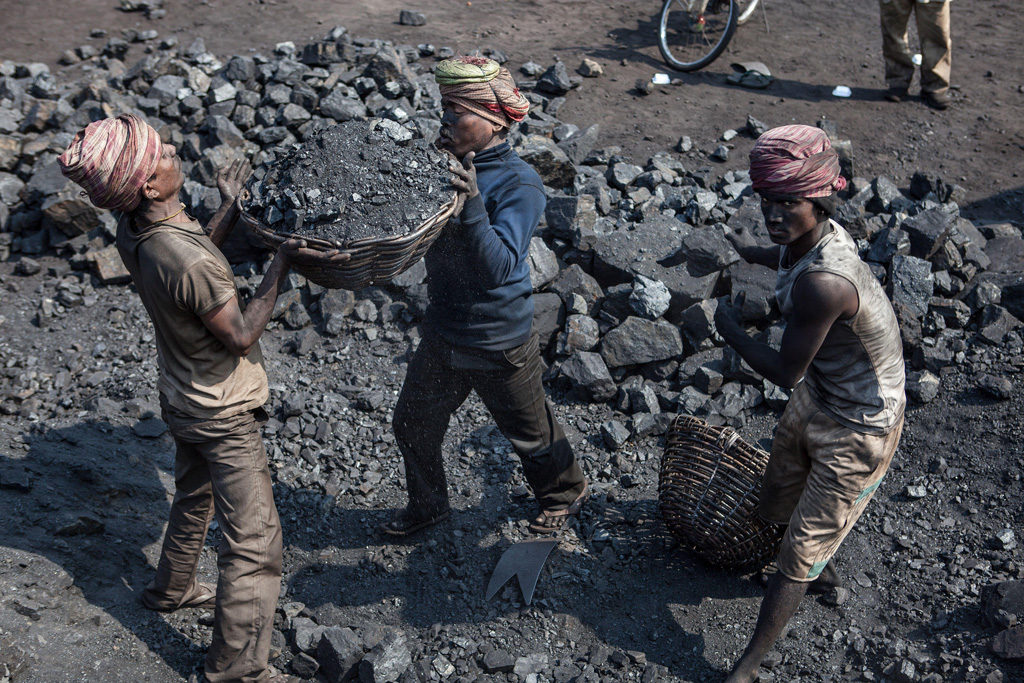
<point x="181" y="276"/>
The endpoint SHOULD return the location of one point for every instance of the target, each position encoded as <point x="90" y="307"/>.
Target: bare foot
<point x="742" y="675"/>
<point x="827" y="580"/>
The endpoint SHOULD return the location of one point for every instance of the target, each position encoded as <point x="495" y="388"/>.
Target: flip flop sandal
<point x="750" y="79"/>
<point x="552" y="521"/>
<point x="203" y="595"/>
<point x="405" y="522"/>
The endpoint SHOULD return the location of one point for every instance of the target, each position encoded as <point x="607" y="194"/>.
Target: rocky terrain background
<point x="628" y="269"/>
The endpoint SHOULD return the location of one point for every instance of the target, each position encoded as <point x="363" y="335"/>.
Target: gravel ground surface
<point x="86" y="467"/>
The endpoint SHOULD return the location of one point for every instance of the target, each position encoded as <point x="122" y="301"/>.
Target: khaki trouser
<point x="933" y="30"/>
<point x="820" y="477"/>
<point x="221" y="471"/>
<point x="438" y="381"/>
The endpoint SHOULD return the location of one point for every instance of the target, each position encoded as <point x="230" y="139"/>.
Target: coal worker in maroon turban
<point x="795" y="161"/>
<point x="842" y="355"/>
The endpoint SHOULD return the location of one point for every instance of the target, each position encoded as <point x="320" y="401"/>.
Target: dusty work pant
<point x="438" y="381"/>
<point x="221" y="471"/>
<point x="936" y="46"/>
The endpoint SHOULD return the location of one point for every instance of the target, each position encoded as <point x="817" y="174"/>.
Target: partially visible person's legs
<point x="899" y="63"/>
<point x="515" y="397"/>
<point x="847" y="469"/>
<point x="175" y="582"/>
<point x="936" y="46"/>
<point x="842" y="470"/>
<point x="432" y="392"/>
<point x="250" y="554"/>
<point x="780" y="603"/>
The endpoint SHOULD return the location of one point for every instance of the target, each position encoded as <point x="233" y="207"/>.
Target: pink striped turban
<point x="484" y="87"/>
<point x="796" y="161"/>
<point x="112" y="159"/>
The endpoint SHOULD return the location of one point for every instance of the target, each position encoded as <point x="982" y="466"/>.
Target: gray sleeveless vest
<point x="857" y="376"/>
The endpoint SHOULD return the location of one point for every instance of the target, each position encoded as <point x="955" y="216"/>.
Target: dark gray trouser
<point x="438" y="381"/>
<point x="221" y="471"/>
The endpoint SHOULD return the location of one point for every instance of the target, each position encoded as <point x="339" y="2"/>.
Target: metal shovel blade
<point x="524" y="560"/>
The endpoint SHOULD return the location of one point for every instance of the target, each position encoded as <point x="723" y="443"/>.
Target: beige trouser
<point x="933" y="30"/>
<point x="820" y="477"/>
<point x="221" y="471"/>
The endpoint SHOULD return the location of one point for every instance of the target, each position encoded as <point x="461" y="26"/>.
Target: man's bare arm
<point x="239" y="331"/>
<point x="821" y="299"/>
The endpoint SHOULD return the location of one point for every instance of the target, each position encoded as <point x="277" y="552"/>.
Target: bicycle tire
<point x="686" y="48"/>
<point x="746" y="12"/>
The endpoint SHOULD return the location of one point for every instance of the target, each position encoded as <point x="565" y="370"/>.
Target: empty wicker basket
<point x="372" y="260"/>
<point x="708" y="489"/>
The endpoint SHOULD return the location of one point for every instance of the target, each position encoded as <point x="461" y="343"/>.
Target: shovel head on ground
<point x="524" y="560"/>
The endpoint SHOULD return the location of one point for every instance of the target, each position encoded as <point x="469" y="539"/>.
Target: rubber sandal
<point x="552" y="521"/>
<point x="754" y="80"/>
<point x="204" y="595"/>
<point x="405" y="522"/>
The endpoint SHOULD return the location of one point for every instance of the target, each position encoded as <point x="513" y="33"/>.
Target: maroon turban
<point x="796" y="161"/>
<point x="112" y="159"/>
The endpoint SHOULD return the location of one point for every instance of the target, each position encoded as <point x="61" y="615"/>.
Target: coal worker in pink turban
<point x="211" y="374"/>
<point x="112" y="159"/>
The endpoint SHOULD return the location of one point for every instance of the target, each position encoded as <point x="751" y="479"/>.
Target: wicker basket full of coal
<point x="708" y="490"/>
<point x="366" y="188"/>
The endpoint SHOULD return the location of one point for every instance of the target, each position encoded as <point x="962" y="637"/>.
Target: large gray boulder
<point x="638" y="341"/>
<point x="574" y="281"/>
<point x="581" y="334"/>
<point x="928" y="231"/>
<point x="911" y="283"/>
<point x="588" y="376"/>
<point x="757" y="283"/>
<point x="707" y="251"/>
<point x="387" y="661"/>
<point x="338" y="653"/>
<point x="651" y="249"/>
<point x="341" y="107"/>
<point x="1006" y="254"/>
<point x="649" y="299"/>
<point x="573" y="219"/>
<point x="548" y="316"/>
<point x="551" y="163"/>
<point x="578" y="146"/>
<point x="543" y="263"/>
<point x="698" y="322"/>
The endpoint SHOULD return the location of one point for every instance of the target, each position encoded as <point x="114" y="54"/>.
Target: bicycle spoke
<point x="693" y="32"/>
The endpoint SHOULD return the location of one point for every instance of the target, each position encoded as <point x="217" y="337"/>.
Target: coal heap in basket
<point x="363" y="187"/>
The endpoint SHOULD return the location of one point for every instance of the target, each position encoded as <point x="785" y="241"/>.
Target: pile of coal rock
<point x="355" y="180"/>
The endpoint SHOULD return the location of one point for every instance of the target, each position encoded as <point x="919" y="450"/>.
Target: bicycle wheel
<point x="692" y="33"/>
<point x="747" y="9"/>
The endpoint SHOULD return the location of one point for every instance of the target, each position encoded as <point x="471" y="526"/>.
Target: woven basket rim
<point x="318" y="244"/>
